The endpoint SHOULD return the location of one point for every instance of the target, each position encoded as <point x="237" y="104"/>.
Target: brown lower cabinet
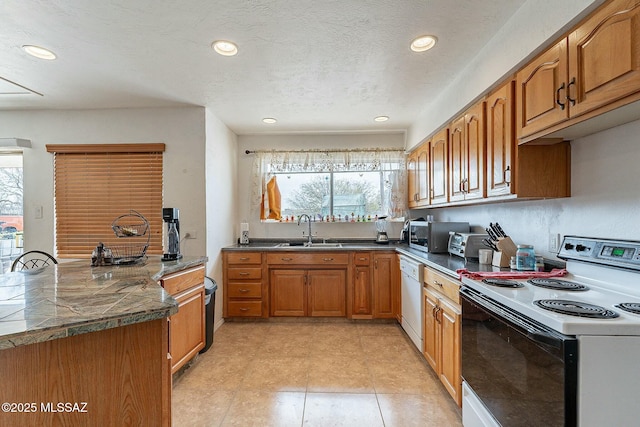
<point x="352" y="284"/>
<point x="187" y="326"/>
<point x="442" y="329"/>
<point x="315" y="293"/>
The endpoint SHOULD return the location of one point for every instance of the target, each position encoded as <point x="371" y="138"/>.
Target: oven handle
<point x="534" y="331"/>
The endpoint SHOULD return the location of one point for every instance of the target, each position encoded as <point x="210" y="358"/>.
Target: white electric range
<point x="591" y="378"/>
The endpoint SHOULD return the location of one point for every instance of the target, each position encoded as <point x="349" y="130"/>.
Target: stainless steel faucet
<point x="310" y="242"/>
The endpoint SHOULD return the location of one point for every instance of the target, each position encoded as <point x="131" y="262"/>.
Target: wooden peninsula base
<point x="119" y="376"/>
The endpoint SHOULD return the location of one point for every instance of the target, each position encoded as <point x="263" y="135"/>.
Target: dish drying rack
<point x="133" y="226"/>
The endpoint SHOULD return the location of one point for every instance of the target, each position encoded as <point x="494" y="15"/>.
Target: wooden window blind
<point x="95" y="184"/>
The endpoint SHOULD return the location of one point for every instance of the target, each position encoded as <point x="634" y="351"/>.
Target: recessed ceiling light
<point x="423" y="43"/>
<point x="225" y="48"/>
<point x="381" y="118"/>
<point x="39" y="52"/>
<point x="269" y="120"/>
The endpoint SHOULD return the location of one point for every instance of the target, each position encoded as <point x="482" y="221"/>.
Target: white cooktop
<point x="619" y="287"/>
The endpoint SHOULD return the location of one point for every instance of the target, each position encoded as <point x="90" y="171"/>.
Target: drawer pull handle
<point x="244" y="258"/>
<point x="437" y="283"/>
<point x="362" y="259"/>
<point x="244" y="291"/>
<point x="327" y="259"/>
<point x="244" y="309"/>
<point x="244" y="273"/>
<point x="286" y="259"/>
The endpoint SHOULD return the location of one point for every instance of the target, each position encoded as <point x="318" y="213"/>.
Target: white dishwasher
<point x="411" y="293"/>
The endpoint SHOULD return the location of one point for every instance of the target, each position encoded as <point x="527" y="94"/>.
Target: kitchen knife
<point x="501" y="230"/>
<point x="489" y="244"/>
<point x="490" y="233"/>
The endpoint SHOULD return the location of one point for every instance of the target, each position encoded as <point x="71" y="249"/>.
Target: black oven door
<point x="524" y="373"/>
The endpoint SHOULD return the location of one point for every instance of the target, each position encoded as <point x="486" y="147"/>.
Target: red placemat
<point x="479" y="275"/>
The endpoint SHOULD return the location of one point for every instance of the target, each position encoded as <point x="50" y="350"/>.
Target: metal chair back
<point x="32" y="259"/>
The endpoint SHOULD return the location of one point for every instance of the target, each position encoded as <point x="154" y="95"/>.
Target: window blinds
<point x="95" y="184"/>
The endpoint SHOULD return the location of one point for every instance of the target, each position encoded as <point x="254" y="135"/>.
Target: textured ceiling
<point x="315" y="65"/>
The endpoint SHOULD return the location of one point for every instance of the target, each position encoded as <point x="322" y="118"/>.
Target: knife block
<point x="500" y="259"/>
<point x="506" y="249"/>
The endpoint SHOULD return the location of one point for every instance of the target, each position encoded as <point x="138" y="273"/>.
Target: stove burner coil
<point x="576" y="308"/>
<point x="560" y="285"/>
<point x="631" y="307"/>
<point x="503" y="283"/>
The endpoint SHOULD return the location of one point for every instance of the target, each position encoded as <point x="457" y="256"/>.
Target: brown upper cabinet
<point x="466" y="155"/>
<point x="418" y="177"/>
<point x="500" y="141"/>
<point x="596" y="68"/>
<point x="438" y="170"/>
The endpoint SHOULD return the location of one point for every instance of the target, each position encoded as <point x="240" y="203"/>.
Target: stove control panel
<point x="615" y="253"/>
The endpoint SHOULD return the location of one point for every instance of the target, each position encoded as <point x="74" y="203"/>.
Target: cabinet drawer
<point x="449" y="287"/>
<point x="307" y="258"/>
<point x="244" y="273"/>
<point x="183" y="280"/>
<point x="245" y="309"/>
<point x="245" y="290"/>
<point x="361" y="258"/>
<point x="244" y="257"/>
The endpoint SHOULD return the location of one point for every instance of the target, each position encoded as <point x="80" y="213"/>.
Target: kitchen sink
<point x="309" y="245"/>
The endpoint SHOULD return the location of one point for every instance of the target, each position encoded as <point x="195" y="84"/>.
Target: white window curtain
<point x="267" y="163"/>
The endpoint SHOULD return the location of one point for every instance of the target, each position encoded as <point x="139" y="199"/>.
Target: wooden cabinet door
<point x="500" y="141"/>
<point x="541" y="89"/>
<point x="187" y="327"/>
<point x="288" y="292"/>
<point x="457" y="160"/>
<point x="474" y="137"/>
<point x="412" y="179"/>
<point x="362" y="290"/>
<point x="423" y="174"/>
<point x="383" y="286"/>
<point x="604" y="57"/>
<point x="450" y="362"/>
<point x="431" y="330"/>
<point x="438" y="169"/>
<point x="327" y="293"/>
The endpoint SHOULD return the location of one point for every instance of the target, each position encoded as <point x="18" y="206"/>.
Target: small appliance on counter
<point x="433" y="236"/>
<point x="172" y="242"/>
<point x="381" y="227"/>
<point x="244" y="233"/>
<point x="466" y="245"/>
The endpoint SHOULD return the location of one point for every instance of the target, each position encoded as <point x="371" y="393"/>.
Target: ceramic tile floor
<point x="311" y="374"/>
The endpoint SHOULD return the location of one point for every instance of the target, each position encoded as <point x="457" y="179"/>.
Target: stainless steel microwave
<point x="433" y="236"/>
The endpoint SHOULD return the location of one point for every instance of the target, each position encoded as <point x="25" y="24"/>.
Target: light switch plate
<point x="37" y="213"/>
<point x="554" y="242"/>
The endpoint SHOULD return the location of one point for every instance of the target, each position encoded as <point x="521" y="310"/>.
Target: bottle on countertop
<point x="525" y="258"/>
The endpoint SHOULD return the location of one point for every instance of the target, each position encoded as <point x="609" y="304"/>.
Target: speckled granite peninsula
<point x="82" y="345"/>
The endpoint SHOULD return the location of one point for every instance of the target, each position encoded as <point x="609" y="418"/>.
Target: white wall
<point x="534" y="25"/>
<point x="221" y="159"/>
<point x="247" y="181"/>
<point x="605" y="199"/>
<point x="181" y="129"/>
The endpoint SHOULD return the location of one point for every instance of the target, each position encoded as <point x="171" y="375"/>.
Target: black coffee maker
<point x="172" y="240"/>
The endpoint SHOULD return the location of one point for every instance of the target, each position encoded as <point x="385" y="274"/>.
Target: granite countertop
<point x="73" y="298"/>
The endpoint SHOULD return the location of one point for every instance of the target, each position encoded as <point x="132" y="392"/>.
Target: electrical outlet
<point x="37" y="212"/>
<point x="190" y="235"/>
<point x="554" y="242"/>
